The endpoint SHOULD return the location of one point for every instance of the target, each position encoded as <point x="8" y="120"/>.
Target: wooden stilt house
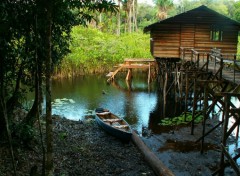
<point x="200" y="28"/>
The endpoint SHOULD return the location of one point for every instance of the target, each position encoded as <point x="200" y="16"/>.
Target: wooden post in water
<point x="129" y="75"/>
<point x="225" y="128"/>
<point x="186" y="96"/>
<point x="165" y="94"/>
<point x="175" y="84"/>
<point x="194" y="104"/>
<point x="149" y="73"/>
<point x="205" y="115"/>
<point x="237" y="132"/>
<point x="181" y="86"/>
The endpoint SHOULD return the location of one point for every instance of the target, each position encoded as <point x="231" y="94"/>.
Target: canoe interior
<point x="114" y="121"/>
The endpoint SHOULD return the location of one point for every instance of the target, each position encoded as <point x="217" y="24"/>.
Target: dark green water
<point x="77" y="98"/>
<point x="139" y="103"/>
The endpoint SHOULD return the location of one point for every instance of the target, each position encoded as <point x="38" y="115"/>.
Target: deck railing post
<point x="198" y="55"/>
<point x="183" y="53"/>
<point x="192" y="55"/>
<point x="221" y="66"/>
<point x="234" y="64"/>
<point x="208" y="56"/>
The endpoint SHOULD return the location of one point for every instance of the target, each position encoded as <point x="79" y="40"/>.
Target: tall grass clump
<point x="93" y="51"/>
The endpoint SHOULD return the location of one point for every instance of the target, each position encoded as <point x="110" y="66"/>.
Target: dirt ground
<point x="82" y="148"/>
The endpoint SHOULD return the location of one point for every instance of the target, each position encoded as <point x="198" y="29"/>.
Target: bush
<point x="93" y="51"/>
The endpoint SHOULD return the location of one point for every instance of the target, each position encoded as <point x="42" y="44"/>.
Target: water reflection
<point x="141" y="106"/>
<point x="78" y="97"/>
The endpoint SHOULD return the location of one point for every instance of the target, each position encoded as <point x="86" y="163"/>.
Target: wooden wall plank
<point x="168" y="38"/>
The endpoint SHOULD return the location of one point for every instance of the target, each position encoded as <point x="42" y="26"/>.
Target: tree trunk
<point x="13" y="101"/>
<point x="2" y="121"/>
<point x="135" y="15"/>
<point x="32" y="114"/>
<point x="9" y="137"/>
<point x="119" y="19"/>
<point x="129" y="19"/>
<point x="49" y="132"/>
<point x="3" y="113"/>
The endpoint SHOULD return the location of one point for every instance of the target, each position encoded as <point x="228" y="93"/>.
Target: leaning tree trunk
<point x="32" y="114"/>
<point x="2" y="121"/>
<point x="4" y="125"/>
<point x="49" y="132"/>
<point x="9" y="137"/>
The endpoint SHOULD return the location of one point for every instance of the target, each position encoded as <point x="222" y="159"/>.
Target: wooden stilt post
<point x="194" y="104"/>
<point x="175" y="85"/>
<point x="149" y="73"/>
<point x="129" y="75"/>
<point x="165" y="94"/>
<point x="181" y="88"/>
<point x="186" y="96"/>
<point x="205" y="104"/>
<point x="237" y="132"/>
<point x="225" y="128"/>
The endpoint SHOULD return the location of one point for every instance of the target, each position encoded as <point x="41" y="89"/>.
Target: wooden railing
<point x="221" y="60"/>
<point x="225" y="60"/>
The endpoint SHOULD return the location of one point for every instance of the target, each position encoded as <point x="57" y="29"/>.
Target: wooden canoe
<point x="114" y="125"/>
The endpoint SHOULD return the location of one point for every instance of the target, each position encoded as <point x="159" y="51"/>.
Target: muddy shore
<point x="179" y="151"/>
<point x="83" y="148"/>
<point x="80" y="148"/>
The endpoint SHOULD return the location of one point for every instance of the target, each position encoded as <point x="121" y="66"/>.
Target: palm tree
<point x="163" y="7"/>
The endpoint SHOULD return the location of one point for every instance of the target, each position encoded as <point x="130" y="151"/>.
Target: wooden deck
<point x="228" y="73"/>
<point x="224" y="66"/>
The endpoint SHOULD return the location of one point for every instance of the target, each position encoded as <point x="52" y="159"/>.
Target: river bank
<point x="83" y="148"/>
<point x="80" y="148"/>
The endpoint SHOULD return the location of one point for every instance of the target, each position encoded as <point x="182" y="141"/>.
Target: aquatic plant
<point x="181" y="119"/>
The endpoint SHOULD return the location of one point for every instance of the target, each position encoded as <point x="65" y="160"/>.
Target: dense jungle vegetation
<point x="43" y="38"/>
<point x="106" y="41"/>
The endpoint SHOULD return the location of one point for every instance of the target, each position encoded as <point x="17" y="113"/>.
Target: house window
<point x="216" y="34"/>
